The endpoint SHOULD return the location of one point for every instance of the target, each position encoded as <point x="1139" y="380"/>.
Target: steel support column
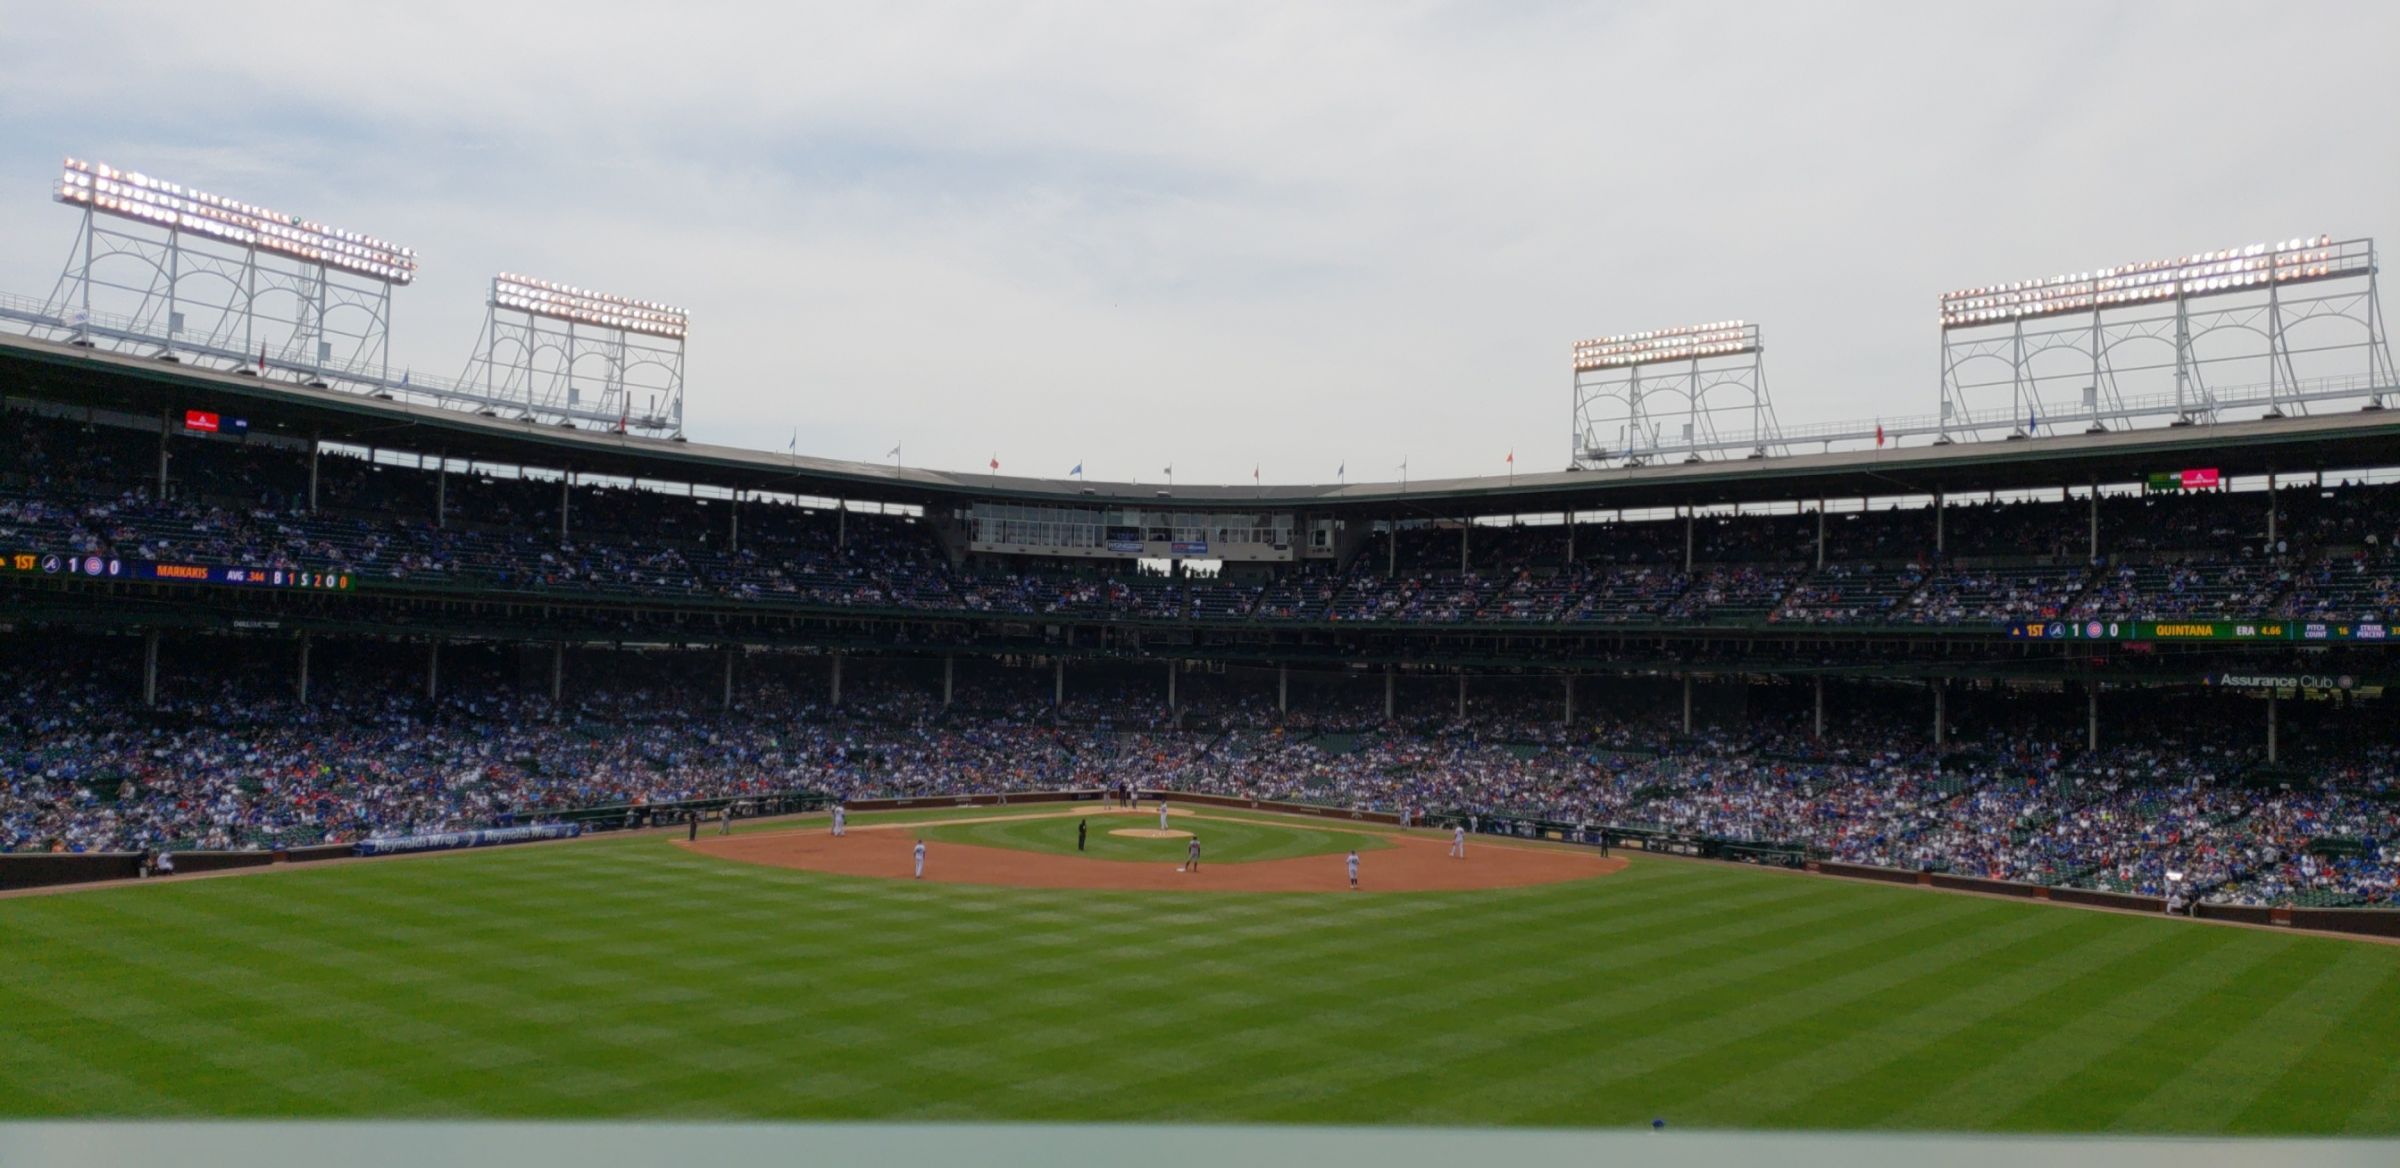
<point x="2095" y="520"/>
<point x="150" y="667"/>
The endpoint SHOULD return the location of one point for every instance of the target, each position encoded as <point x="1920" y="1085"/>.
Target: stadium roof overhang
<point x="66" y="374"/>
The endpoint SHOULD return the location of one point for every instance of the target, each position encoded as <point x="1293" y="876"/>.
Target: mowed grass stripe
<point x="2149" y="1037"/>
<point x="2340" y="1073"/>
<point x="1657" y="1058"/>
<point x="1826" y="1052"/>
<point x="628" y="977"/>
<point x="2041" y="999"/>
<point x="2225" y="1083"/>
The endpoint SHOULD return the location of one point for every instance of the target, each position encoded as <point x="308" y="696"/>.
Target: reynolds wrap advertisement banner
<point x="480" y="837"/>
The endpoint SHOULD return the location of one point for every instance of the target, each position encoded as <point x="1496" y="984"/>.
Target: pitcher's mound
<point x="1148" y="833"/>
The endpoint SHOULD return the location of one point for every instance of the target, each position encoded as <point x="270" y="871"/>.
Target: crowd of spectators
<point x="230" y="760"/>
<point x="92" y="489"/>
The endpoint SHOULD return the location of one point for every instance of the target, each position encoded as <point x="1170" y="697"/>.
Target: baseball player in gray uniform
<point x="920" y="859"/>
<point x="1353" y="862"/>
<point x="1191" y="853"/>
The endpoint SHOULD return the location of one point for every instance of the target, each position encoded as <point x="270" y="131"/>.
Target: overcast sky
<point x="1273" y="235"/>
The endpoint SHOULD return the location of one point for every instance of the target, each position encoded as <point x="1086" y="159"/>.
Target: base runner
<point x="1191" y="853"/>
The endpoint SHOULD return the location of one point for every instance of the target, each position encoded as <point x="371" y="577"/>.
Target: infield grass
<point x="628" y="977"/>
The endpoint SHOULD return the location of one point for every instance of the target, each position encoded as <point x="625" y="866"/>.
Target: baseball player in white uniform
<point x="1353" y="863"/>
<point x="1458" y="842"/>
<point x="841" y="819"/>
<point x="920" y="859"/>
<point x="1162" y="815"/>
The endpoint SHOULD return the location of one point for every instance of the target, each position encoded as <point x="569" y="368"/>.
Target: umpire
<point x="1082" y="827"/>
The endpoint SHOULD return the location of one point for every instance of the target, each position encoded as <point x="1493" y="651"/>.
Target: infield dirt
<point x="1410" y="864"/>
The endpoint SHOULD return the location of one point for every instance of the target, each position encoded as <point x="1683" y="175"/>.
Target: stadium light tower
<point x="1630" y="388"/>
<point x="2276" y="325"/>
<point x="556" y="353"/>
<point x="176" y="272"/>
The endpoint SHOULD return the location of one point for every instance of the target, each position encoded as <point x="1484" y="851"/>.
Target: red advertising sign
<point x="2194" y="480"/>
<point x="206" y="422"/>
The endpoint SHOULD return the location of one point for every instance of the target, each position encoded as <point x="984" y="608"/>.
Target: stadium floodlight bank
<point x="136" y="196"/>
<point x="163" y="270"/>
<point x="582" y="306"/>
<point x="1629" y="388"/>
<point x="565" y="355"/>
<point x="2272" y="326"/>
<point x="177" y="273"/>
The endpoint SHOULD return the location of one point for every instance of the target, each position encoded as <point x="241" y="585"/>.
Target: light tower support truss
<point x="1672" y="393"/>
<point x="2273" y="327"/>
<point x="554" y="353"/>
<point x="179" y="274"/>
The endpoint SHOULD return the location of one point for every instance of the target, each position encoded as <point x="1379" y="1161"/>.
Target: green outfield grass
<point x="627" y="977"/>
<point x="1222" y="841"/>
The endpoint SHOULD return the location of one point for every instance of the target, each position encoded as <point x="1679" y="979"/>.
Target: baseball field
<point x="641" y="976"/>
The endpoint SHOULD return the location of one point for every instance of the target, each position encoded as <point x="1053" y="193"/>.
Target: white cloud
<point x="1221" y="235"/>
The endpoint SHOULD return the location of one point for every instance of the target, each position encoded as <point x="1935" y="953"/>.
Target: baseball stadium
<point x="379" y="747"/>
